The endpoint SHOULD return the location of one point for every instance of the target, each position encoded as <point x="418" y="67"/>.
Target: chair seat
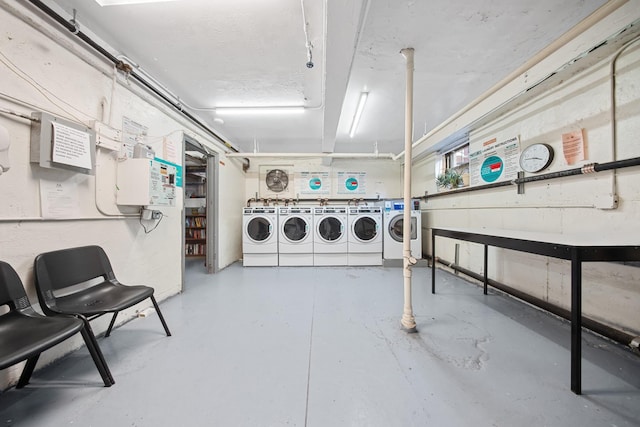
<point x="105" y="297"/>
<point x="24" y="335"/>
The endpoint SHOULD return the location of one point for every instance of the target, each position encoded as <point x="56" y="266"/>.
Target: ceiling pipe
<point x="73" y="27"/>
<point x="408" y="320"/>
<point x="389" y="156"/>
<point x="602" y="12"/>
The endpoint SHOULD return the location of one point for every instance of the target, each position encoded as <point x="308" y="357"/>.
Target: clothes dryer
<point x="295" y="242"/>
<point x="393" y="230"/>
<point x="260" y="236"/>
<point x="330" y="244"/>
<point x="365" y="235"/>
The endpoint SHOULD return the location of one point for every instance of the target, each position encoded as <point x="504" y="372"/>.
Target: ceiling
<point x="253" y="53"/>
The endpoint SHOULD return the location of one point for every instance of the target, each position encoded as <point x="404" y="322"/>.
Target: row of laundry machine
<point x="327" y="235"/>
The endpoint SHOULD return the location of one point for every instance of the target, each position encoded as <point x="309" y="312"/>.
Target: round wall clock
<point x="536" y="157"/>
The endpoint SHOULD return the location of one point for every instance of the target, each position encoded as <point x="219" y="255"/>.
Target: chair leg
<point x="113" y="321"/>
<point x="96" y="354"/>
<point x="27" y="371"/>
<point x="164" y="324"/>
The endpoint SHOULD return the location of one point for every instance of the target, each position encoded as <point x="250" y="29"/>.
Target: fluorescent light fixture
<point x="122" y="2"/>
<point x="359" y="110"/>
<point x="258" y="110"/>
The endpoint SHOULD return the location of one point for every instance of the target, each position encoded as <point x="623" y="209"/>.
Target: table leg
<point x="576" y="322"/>
<point x="486" y="278"/>
<point x="433" y="262"/>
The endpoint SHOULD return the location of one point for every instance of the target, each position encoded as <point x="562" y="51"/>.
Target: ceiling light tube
<point x="125" y="2"/>
<point x="258" y="110"/>
<point x="358" y="114"/>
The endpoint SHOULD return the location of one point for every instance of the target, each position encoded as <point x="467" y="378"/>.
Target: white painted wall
<point x="383" y="176"/>
<point x="43" y="70"/>
<point x="567" y="205"/>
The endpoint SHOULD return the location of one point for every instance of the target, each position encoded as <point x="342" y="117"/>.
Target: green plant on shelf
<point x="450" y="179"/>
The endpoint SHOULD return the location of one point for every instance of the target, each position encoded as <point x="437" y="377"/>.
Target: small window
<point x="457" y="159"/>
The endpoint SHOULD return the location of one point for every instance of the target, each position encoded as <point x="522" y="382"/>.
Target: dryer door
<point x="330" y="229"/>
<point x="395" y="227"/>
<point x="295" y="229"/>
<point x="365" y="229"/>
<point x="259" y="229"/>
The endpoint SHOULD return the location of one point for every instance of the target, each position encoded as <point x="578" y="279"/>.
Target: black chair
<point x="25" y="334"/>
<point x="59" y="273"/>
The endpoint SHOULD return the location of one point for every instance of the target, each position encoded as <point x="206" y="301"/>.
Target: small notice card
<point x="573" y="147"/>
<point x="71" y="146"/>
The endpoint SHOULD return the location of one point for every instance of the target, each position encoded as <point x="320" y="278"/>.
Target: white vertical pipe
<point x="408" y="320"/>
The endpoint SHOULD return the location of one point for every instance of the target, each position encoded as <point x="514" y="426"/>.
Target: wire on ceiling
<point x="72" y="26"/>
<point x="309" y="46"/>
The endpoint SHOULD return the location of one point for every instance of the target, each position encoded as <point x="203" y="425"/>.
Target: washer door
<point x="330" y="229"/>
<point x="365" y="229"/>
<point x="259" y="229"/>
<point x="295" y="229"/>
<point x="395" y="228"/>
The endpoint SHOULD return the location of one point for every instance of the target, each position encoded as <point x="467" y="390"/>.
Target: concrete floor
<point x="316" y="346"/>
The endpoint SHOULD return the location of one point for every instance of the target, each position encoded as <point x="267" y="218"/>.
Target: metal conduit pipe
<point x="602" y="12"/>
<point x="593" y="325"/>
<point x="321" y="201"/>
<point x="389" y="156"/>
<point x="74" y="29"/>
<point x="590" y="168"/>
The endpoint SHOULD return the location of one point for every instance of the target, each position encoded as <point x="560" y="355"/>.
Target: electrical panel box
<point x="59" y="143"/>
<point x="145" y="182"/>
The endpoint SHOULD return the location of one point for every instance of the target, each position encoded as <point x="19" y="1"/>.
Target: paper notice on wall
<point x="59" y="199"/>
<point x="497" y="161"/>
<point x="351" y="182"/>
<point x="573" y="146"/>
<point x="71" y="146"/>
<point x="133" y="133"/>
<point x="314" y="183"/>
<point x="169" y="150"/>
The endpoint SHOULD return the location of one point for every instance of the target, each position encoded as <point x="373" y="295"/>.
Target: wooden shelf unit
<point x="195" y="232"/>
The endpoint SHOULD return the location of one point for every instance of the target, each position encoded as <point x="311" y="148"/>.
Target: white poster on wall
<point x="59" y="199"/>
<point x="133" y="132"/>
<point x="351" y="182"/>
<point x="496" y="161"/>
<point x="71" y="146"/>
<point x="314" y="183"/>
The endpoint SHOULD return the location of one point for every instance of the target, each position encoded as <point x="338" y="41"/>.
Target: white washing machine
<point x="393" y="224"/>
<point x="295" y="242"/>
<point x="260" y="236"/>
<point x="330" y="244"/>
<point x="365" y="235"/>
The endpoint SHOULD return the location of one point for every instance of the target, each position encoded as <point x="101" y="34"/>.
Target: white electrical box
<point x="145" y="182"/>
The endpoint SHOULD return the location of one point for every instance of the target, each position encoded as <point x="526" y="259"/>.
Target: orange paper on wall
<point x="573" y="146"/>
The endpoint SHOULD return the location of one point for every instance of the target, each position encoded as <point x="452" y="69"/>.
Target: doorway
<point x="200" y="225"/>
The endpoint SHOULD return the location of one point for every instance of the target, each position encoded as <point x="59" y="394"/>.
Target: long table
<point x="577" y="248"/>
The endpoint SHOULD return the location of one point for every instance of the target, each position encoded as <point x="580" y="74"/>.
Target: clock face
<point x="536" y="157"/>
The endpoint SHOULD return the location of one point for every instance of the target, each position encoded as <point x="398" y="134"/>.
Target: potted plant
<point x="451" y="178"/>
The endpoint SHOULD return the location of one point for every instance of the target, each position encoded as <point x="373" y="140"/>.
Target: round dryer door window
<point x="259" y="229"/>
<point x="330" y="229"/>
<point x="365" y="229"/>
<point x="295" y="229"/>
<point x="395" y="228"/>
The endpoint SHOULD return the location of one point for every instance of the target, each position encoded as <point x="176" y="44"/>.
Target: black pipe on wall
<point x="119" y="64"/>
<point x="593" y="325"/>
<point x="594" y="167"/>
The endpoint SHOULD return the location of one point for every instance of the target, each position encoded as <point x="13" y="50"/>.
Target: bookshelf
<point x="195" y="220"/>
<point x="195" y="232"/>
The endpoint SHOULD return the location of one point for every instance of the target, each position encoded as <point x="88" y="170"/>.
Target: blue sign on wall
<point x="351" y="184"/>
<point x="492" y="168"/>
